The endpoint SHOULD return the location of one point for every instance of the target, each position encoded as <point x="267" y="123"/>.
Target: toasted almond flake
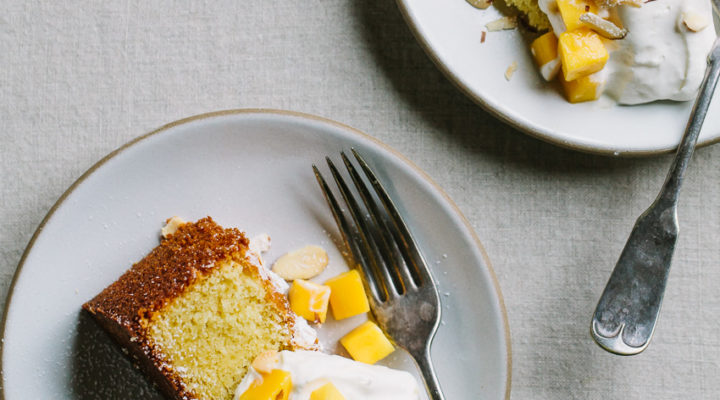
<point x="481" y="4"/>
<point x="171" y="226"/>
<point x="266" y="361"/>
<point x="303" y="263"/>
<point x="615" y="3"/>
<point x="603" y="27"/>
<point x="511" y="70"/>
<point x="502" y="24"/>
<point x="695" y="22"/>
<point x="482" y="36"/>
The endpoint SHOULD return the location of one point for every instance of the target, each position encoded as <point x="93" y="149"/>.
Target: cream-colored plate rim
<point x="163" y="128"/>
<point x="504" y="115"/>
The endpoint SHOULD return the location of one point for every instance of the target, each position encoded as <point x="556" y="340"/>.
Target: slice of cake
<point x="535" y="17"/>
<point x="196" y="311"/>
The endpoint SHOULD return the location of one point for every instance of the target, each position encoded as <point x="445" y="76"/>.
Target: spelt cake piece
<point x="535" y="17"/>
<point x="196" y="311"/>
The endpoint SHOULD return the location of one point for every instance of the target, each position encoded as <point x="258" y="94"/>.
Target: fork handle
<point x="671" y="188"/>
<point x="625" y="317"/>
<point x="428" y="372"/>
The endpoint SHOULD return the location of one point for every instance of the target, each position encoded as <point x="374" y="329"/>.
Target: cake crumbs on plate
<point x="511" y="70"/>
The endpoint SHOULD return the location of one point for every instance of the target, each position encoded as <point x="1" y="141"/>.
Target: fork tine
<point x="351" y="241"/>
<point x="390" y="252"/>
<point x="382" y="276"/>
<point x="402" y="234"/>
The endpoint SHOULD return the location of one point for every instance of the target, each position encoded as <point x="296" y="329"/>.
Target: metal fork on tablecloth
<point x="624" y="320"/>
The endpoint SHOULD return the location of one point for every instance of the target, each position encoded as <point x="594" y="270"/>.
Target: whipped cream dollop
<point x="660" y="58"/>
<point x="309" y="370"/>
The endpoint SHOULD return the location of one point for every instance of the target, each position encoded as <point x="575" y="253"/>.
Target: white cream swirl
<point x="660" y="58"/>
<point x="310" y="370"/>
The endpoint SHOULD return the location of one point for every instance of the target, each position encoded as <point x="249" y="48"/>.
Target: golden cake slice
<point x="196" y="311"/>
<point x="535" y="17"/>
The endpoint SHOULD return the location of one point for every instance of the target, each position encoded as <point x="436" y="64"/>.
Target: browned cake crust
<point x="124" y="308"/>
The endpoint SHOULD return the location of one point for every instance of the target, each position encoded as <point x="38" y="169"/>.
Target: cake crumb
<point x="695" y="22"/>
<point x="511" y="70"/>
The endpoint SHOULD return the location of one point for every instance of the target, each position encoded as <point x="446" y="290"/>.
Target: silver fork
<point x="403" y="295"/>
<point x="625" y="317"/>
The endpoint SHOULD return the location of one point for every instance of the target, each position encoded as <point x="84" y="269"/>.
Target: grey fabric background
<point x="79" y="79"/>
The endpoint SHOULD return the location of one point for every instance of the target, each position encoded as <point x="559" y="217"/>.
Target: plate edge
<point x="261" y="111"/>
<point x="546" y="137"/>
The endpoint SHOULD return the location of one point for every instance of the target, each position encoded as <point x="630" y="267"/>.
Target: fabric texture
<point x="79" y="79"/>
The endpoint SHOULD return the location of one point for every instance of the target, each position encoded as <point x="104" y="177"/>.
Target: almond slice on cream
<point x="615" y="3"/>
<point x="603" y="27"/>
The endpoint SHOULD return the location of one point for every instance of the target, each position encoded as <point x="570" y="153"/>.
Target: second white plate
<point x="450" y="32"/>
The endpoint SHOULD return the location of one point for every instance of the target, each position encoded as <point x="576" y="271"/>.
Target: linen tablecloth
<point x="79" y="79"/>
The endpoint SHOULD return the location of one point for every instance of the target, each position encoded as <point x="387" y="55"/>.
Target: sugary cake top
<point x="167" y="271"/>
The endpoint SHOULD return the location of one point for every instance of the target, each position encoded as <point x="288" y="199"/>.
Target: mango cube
<point x="347" y="295"/>
<point x="582" y="53"/>
<point x="545" y="52"/>
<point x="309" y="300"/>
<point x="587" y="88"/>
<point x="327" y="392"/>
<point x="367" y="343"/>
<point x="571" y="10"/>
<point x="273" y="386"/>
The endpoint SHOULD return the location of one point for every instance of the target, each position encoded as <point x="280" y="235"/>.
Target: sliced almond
<point x="502" y="24"/>
<point x="171" y="226"/>
<point x="511" y="70"/>
<point x="303" y="263"/>
<point x="603" y="27"/>
<point x="694" y="21"/>
<point x="615" y="3"/>
<point x="266" y="361"/>
<point x="481" y="4"/>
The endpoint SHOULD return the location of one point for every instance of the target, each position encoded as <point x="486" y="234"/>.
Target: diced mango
<point x="571" y="10"/>
<point x="545" y="51"/>
<point x="582" y="53"/>
<point x="367" y="343"/>
<point x="347" y="295"/>
<point x="587" y="88"/>
<point x="273" y="386"/>
<point x="309" y="300"/>
<point x="327" y="392"/>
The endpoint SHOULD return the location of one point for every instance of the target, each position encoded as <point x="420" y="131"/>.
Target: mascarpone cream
<point x="309" y="370"/>
<point x="660" y="58"/>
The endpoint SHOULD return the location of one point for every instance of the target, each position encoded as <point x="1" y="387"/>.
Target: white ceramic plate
<point x="249" y="169"/>
<point x="450" y="32"/>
